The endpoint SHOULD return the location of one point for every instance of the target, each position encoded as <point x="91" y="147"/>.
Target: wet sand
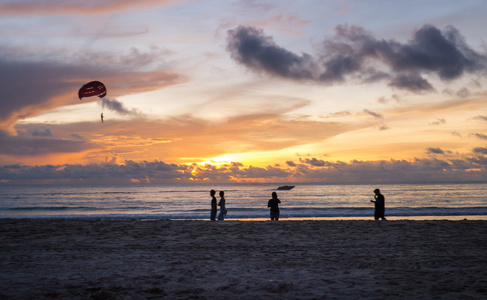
<point x="351" y="259"/>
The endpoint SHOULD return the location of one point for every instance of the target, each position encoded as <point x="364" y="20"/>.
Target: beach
<point x="175" y="259"/>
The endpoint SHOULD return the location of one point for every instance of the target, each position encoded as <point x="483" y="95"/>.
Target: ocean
<point x="244" y="201"/>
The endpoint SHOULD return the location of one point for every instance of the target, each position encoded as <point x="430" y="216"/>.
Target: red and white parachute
<point x="93" y="88"/>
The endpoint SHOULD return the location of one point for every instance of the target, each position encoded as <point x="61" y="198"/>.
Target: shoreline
<point x="183" y="259"/>
<point x="391" y="218"/>
<point x="282" y="219"/>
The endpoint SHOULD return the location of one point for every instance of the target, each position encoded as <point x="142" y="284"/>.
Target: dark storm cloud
<point x="356" y="53"/>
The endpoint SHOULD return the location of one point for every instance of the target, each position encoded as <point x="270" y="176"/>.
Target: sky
<point x="329" y="91"/>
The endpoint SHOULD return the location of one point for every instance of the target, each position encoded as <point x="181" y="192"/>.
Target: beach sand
<point x="131" y="259"/>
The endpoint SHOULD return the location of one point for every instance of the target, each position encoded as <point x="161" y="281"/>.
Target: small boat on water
<point x="286" y="187"/>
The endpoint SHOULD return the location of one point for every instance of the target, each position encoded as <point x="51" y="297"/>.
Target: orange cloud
<point x="53" y="7"/>
<point x="184" y="138"/>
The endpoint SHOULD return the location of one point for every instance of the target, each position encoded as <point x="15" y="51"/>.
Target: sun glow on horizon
<point x="221" y="160"/>
<point x="270" y="95"/>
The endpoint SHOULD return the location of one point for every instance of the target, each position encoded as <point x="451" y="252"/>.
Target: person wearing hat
<point x="379" y="205"/>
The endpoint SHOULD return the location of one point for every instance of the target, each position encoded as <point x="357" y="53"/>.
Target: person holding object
<point x="379" y="205"/>
<point x="274" y="205"/>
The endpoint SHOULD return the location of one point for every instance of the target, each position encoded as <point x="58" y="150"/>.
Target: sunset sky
<point x="344" y="91"/>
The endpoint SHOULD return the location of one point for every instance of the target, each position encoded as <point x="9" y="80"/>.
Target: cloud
<point x="480" y="150"/>
<point x="40" y="142"/>
<point x="257" y="172"/>
<point x="253" y="49"/>
<point x="31" y="87"/>
<point x="473" y="103"/>
<point x="356" y="53"/>
<point x="412" y="82"/>
<point x="45" y="133"/>
<point x="463" y="93"/>
<point x="468" y="169"/>
<point x="436" y="150"/>
<point x="313" y="162"/>
<point x="438" y="122"/>
<point x="384" y="127"/>
<point x="183" y="136"/>
<point x="117" y="106"/>
<point x="338" y="114"/>
<point x="480" y="136"/>
<point x="265" y="14"/>
<point x="54" y="7"/>
<point x="93" y="173"/>
<point x="482" y="118"/>
<point x="290" y="163"/>
<point x="373" y="114"/>
<point x="395" y="171"/>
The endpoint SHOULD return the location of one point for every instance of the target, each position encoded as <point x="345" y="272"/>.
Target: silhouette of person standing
<point x="379" y="205"/>
<point x="274" y="205"/>
<point x="223" y="210"/>
<point x="213" y="205"/>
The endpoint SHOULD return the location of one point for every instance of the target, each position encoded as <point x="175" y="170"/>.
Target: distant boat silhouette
<point x="286" y="187"/>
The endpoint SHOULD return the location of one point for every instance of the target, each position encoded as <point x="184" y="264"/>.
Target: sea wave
<point x="49" y="208"/>
<point x="243" y="201"/>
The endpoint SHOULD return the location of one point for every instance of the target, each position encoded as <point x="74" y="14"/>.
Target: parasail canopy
<point x="93" y="88"/>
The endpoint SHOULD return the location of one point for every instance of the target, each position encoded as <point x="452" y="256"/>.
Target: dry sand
<point x="130" y="259"/>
